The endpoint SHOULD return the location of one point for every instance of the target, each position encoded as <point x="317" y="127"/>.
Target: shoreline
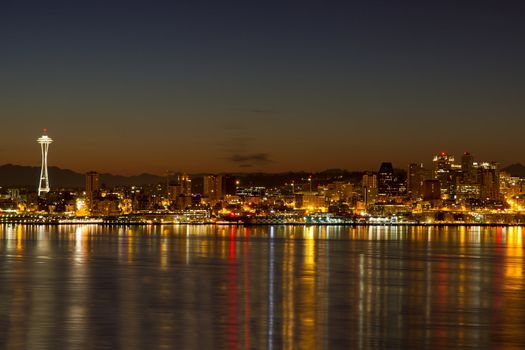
<point x="239" y="224"/>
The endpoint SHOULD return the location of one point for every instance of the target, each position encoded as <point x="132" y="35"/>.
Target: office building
<point x="416" y="176"/>
<point x="446" y="172"/>
<point x="386" y="182"/>
<point x="92" y="182"/>
<point x="213" y="186"/>
<point x="489" y="187"/>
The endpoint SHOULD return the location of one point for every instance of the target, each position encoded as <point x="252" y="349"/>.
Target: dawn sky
<point x="196" y="86"/>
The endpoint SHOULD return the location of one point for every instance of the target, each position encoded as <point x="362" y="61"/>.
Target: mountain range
<point x="22" y="176"/>
<point x="515" y="170"/>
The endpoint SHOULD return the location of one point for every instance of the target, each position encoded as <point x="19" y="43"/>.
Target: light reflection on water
<point x="272" y="287"/>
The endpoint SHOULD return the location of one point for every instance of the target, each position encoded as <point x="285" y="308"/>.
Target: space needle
<point x="44" y="141"/>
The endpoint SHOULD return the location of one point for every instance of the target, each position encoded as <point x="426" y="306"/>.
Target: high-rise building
<point x="510" y="186"/>
<point x="446" y="172"/>
<point x="431" y="190"/>
<point x="179" y="187"/>
<point x="228" y="185"/>
<point x="218" y="186"/>
<point x="370" y="180"/>
<point x="369" y="185"/>
<point x="174" y="190"/>
<point x="213" y="186"/>
<point x="489" y="186"/>
<point x="43" y="184"/>
<point x="92" y="188"/>
<point x="185" y="183"/>
<point x="468" y="187"/>
<point x="415" y="178"/>
<point x="468" y="169"/>
<point x="386" y="183"/>
<point x="92" y="182"/>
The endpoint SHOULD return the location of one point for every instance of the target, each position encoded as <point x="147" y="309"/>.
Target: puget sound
<point x="79" y="286"/>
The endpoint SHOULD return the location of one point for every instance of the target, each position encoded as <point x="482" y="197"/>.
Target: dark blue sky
<point x="133" y="86"/>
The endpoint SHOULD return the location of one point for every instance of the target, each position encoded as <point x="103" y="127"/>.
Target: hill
<point x="515" y="170"/>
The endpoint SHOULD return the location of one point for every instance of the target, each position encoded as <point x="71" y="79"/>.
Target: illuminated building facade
<point x="185" y="183"/>
<point x="218" y="186"/>
<point x="446" y="172"/>
<point x="468" y="187"/>
<point x="386" y="181"/>
<point x="511" y="186"/>
<point x="44" y="141"/>
<point x="469" y="192"/>
<point x="180" y="187"/>
<point x="212" y="186"/>
<point x="489" y="188"/>
<point x="369" y="185"/>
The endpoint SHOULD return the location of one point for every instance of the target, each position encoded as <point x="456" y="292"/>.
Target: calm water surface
<point x="205" y="287"/>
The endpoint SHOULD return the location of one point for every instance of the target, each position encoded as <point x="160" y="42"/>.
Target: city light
<point x="465" y="193"/>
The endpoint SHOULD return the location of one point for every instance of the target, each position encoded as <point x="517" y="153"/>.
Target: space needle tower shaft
<point x="44" y="141"/>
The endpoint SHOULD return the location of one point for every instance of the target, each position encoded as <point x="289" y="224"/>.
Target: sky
<point x="129" y="87"/>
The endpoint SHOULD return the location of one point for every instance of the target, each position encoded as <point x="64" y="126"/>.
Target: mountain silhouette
<point x="27" y="176"/>
<point x="517" y="169"/>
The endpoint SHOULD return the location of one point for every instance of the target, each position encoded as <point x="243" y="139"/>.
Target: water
<point x="205" y="287"/>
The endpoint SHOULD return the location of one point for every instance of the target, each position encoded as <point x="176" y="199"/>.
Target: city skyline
<point x="262" y="174"/>
<point x="426" y="162"/>
<point x="273" y="86"/>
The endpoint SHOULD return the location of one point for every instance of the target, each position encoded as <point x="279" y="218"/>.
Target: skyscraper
<point x="44" y="141"/>
<point x="369" y="185"/>
<point x="386" y="184"/>
<point x="179" y="187"/>
<point x="416" y="176"/>
<point x="446" y="173"/>
<point x="228" y="185"/>
<point x="185" y="183"/>
<point x="431" y="190"/>
<point x="92" y="187"/>
<point x="92" y="182"/>
<point x="468" y="169"/>
<point x="369" y="180"/>
<point x="489" y="187"/>
<point x="468" y="188"/>
<point x="213" y="186"/>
